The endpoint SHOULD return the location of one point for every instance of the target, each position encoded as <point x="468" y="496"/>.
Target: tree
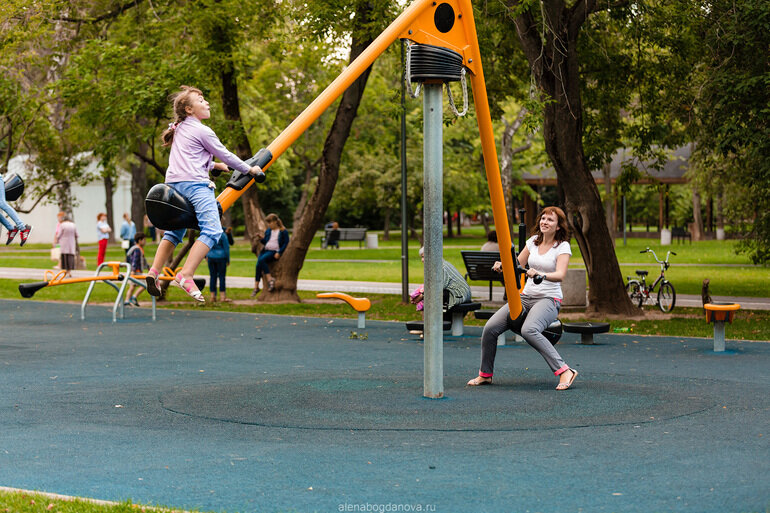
<point x="549" y="32"/>
<point x="363" y="30"/>
<point x="730" y="116"/>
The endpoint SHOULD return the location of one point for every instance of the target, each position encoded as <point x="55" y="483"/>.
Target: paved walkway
<point x="358" y="287"/>
<point x="258" y="413"/>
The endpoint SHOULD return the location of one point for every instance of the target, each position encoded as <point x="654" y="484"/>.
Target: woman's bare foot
<point x="479" y="380"/>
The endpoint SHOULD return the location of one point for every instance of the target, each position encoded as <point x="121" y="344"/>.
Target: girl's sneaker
<point x="153" y="287"/>
<point x="189" y="286"/>
<point x="25" y="234"/>
<point x="11" y="235"/>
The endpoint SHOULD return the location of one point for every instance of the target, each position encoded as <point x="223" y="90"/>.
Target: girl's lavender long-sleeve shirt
<point x="193" y="150"/>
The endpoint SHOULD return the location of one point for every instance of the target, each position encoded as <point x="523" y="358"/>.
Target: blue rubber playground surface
<point x="258" y="413"/>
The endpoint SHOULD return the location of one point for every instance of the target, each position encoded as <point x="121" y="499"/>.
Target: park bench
<point x="680" y="233"/>
<point x="478" y="265"/>
<point x="332" y="237"/>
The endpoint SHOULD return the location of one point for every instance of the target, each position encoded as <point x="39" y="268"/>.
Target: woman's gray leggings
<point x="541" y="313"/>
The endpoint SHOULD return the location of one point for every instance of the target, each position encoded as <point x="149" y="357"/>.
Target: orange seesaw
<point x="52" y="278"/>
<point x="113" y="274"/>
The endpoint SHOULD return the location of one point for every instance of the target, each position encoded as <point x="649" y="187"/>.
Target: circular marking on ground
<point x="377" y="403"/>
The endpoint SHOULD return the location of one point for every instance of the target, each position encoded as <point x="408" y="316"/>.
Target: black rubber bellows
<point x="428" y="62"/>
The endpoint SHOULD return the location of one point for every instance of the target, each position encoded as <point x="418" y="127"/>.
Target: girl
<point x="275" y="240"/>
<point x="547" y="252"/>
<point x="103" y="231"/>
<point x="193" y="147"/>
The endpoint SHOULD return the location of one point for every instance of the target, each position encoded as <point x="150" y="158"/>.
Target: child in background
<point x="135" y="258"/>
<point x="218" y="259"/>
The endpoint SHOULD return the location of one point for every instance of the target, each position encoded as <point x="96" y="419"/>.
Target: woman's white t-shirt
<point x="547" y="264"/>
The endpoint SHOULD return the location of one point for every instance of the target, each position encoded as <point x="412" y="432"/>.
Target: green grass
<point x="24" y="502"/>
<point x="730" y="274"/>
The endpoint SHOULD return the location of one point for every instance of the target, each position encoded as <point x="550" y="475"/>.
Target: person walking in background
<point x="149" y="228"/>
<point x="18" y="226"/>
<point x="547" y="254"/>
<point x="55" y="248"/>
<point x="193" y="148"/>
<point x="127" y="232"/>
<point x="137" y="261"/>
<point x="67" y="239"/>
<point x="218" y="260"/>
<point x="276" y="239"/>
<point x="103" y="231"/>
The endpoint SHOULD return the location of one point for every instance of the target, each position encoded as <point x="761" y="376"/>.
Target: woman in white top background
<point x="547" y="254"/>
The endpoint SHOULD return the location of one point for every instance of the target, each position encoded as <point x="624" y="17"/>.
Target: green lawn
<point x="23" y="502"/>
<point x="730" y="274"/>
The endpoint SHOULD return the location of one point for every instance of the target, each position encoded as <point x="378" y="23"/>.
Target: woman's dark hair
<point x="562" y="230"/>
<point x="181" y="101"/>
<point x="492" y="236"/>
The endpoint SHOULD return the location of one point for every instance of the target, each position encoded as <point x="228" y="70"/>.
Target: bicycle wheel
<point x="666" y="297"/>
<point x="634" y="292"/>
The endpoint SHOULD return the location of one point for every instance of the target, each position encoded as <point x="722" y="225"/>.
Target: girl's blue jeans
<point x="5" y="207"/>
<point x="206" y="210"/>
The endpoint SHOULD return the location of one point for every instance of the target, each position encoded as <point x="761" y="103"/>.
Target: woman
<point x="547" y="253"/>
<point x="67" y="238"/>
<point x="275" y="240"/>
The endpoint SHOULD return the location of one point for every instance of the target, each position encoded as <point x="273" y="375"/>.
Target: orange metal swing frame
<point x="421" y="23"/>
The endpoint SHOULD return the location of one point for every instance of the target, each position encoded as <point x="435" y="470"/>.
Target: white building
<point x="88" y="201"/>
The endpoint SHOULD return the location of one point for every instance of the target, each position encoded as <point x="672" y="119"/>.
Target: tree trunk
<point x="608" y="215"/>
<point x="697" y="225"/>
<point x="253" y="215"/>
<point x="555" y="65"/>
<point x="64" y="198"/>
<point x="286" y="271"/>
<point x="386" y="222"/>
<point x="306" y="189"/>
<point x="485" y="222"/>
<point x="449" y="232"/>
<point x="109" y="190"/>
<point x="139" y="188"/>
<point x="506" y="164"/>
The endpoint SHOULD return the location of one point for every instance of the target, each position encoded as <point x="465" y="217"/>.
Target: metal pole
<point x="404" y="226"/>
<point x="433" y="231"/>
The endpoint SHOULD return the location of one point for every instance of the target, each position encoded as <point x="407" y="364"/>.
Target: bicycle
<point x="639" y="292"/>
